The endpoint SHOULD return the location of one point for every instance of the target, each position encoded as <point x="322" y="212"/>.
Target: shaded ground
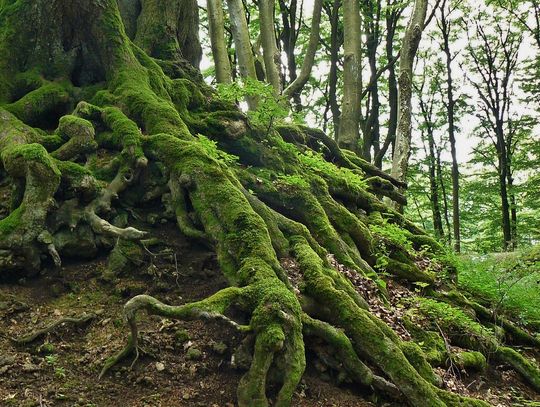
<point x="183" y="364"/>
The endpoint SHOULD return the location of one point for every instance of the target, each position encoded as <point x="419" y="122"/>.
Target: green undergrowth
<point x="508" y="281"/>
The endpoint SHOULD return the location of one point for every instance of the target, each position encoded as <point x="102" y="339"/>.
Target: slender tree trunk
<point x="503" y="186"/>
<point x="349" y="135"/>
<point x="216" y="28"/>
<point x="450" y="111"/>
<point x="335" y="43"/>
<point x="272" y="58"/>
<point x="391" y="23"/>
<point x="246" y="62"/>
<point x="512" y="203"/>
<point x="411" y="40"/>
<point x="434" y="188"/>
<point x="288" y="37"/>
<point x="445" y="197"/>
<point x="371" y="128"/>
<point x="309" y="53"/>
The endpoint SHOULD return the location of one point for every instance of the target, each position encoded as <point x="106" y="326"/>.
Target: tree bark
<point x="242" y="43"/>
<point x="335" y="42"/>
<point x="349" y="131"/>
<point x="309" y="51"/>
<point x="450" y="111"/>
<point x="272" y="58"/>
<point x="371" y="126"/>
<point x="411" y="40"/>
<point x="392" y="19"/>
<point x="268" y="205"/>
<point x="216" y="27"/>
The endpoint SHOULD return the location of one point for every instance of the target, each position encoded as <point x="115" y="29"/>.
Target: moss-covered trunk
<point x="98" y="114"/>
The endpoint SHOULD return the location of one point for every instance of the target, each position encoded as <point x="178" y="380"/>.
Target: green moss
<point x="125" y="256"/>
<point x="193" y="354"/>
<point x="181" y="335"/>
<point x="431" y="342"/>
<point x="462" y="328"/>
<point x="126" y="134"/>
<point x="42" y="106"/>
<point x="470" y="360"/>
<point x="417" y="358"/>
<point x="12" y="222"/>
<point x="71" y="126"/>
<point x="528" y="369"/>
<point x="368" y="338"/>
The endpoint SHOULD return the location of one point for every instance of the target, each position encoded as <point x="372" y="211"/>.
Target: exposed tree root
<point x="32" y="336"/>
<point x="293" y="194"/>
<point x="465" y="332"/>
<point x="211" y="308"/>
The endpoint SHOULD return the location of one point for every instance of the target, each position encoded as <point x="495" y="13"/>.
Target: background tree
<point x="349" y="121"/>
<point x="220" y="52"/>
<point x="494" y="59"/>
<point x="409" y="46"/>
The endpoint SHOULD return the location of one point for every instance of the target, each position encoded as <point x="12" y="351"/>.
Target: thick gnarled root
<point x="467" y="333"/>
<point x="25" y="160"/>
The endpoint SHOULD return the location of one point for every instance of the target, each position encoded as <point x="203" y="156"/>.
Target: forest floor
<point x="183" y="363"/>
<point x="509" y="282"/>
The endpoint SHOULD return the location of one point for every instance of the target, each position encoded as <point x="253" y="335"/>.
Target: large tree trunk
<point x="89" y="119"/>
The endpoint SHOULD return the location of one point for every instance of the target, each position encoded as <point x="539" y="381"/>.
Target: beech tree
<point x="216" y="27"/>
<point x="409" y="46"/>
<point x="349" y="132"/>
<point x="102" y="109"/>
<point x="494" y="66"/>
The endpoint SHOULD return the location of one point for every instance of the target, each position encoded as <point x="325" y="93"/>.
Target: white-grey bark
<point x="242" y="43"/>
<point x="272" y="59"/>
<point x="409" y="46"/>
<point x="216" y="28"/>
<point x="349" y="135"/>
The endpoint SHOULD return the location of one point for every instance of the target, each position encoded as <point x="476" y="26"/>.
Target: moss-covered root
<point x="514" y="334"/>
<point x="369" y="339"/>
<point x="252" y="387"/>
<point x="79" y="136"/>
<point x="23" y="236"/>
<point x="126" y="137"/>
<point x="528" y="370"/>
<point x="343" y="348"/>
<point x="212" y="307"/>
<point x="465" y="332"/>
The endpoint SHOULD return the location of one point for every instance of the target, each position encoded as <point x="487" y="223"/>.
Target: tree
<point x="166" y="139"/>
<point x="349" y="121"/>
<point x="409" y="46"/>
<point x="427" y="104"/>
<point x="272" y="58"/>
<point x="445" y="26"/>
<point x="494" y="60"/>
<point x="299" y="81"/>
<point x="216" y="27"/>
<point x="242" y="43"/>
